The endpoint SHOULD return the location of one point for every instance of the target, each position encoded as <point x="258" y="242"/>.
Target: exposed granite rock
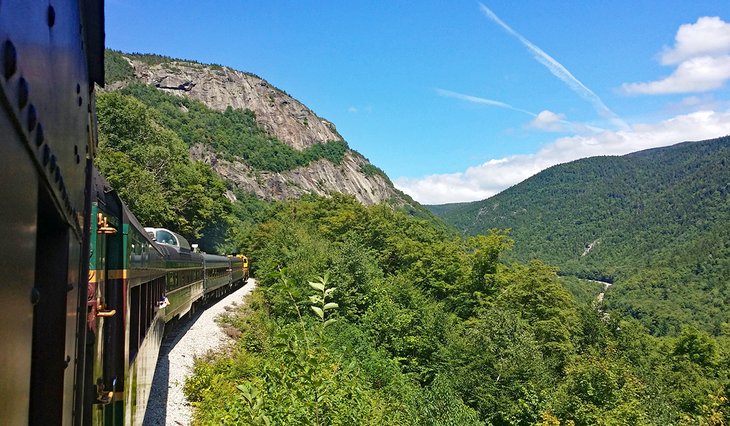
<point x="220" y="87"/>
<point x="280" y="115"/>
<point x="320" y="178"/>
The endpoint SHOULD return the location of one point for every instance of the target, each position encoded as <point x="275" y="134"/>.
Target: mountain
<point x="655" y="222"/>
<point x="284" y="150"/>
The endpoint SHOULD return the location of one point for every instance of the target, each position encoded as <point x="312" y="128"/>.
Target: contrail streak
<point x="492" y="102"/>
<point x="559" y="71"/>
<point x="478" y="100"/>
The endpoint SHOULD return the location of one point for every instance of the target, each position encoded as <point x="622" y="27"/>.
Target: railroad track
<point x="193" y="336"/>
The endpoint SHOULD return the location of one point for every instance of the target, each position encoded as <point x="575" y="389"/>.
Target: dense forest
<point x="365" y="315"/>
<point x="371" y="315"/>
<point x="656" y="222"/>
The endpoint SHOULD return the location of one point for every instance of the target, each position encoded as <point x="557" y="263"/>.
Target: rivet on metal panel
<point x="46" y="155"/>
<point x="35" y="296"/>
<point x="67" y="361"/>
<point x="22" y="93"/>
<point x="78" y="158"/>
<point x="78" y="88"/>
<point x="57" y="175"/>
<point x="51" y="16"/>
<point x="39" y="136"/>
<point x="10" y="59"/>
<point x="70" y="287"/>
<point x="76" y="149"/>
<point x="32" y="118"/>
<point x="81" y="101"/>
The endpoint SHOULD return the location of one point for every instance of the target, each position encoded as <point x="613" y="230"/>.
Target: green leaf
<point x="328" y="322"/>
<point x="329" y="291"/>
<point x="315" y="299"/>
<point x="331" y="305"/>
<point x="317" y="286"/>
<point x="318" y="311"/>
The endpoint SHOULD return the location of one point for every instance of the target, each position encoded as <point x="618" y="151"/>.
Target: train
<point x="87" y="290"/>
<point x="140" y="280"/>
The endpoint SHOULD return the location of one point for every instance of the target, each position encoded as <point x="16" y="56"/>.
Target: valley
<point x="594" y="292"/>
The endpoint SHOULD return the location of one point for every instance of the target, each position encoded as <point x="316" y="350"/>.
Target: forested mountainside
<point x="364" y="315"/>
<point x="655" y="222"/>
<point x="369" y="314"/>
<point x="208" y="170"/>
<point x="257" y="137"/>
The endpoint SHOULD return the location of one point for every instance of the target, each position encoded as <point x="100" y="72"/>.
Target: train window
<point x="143" y="311"/>
<point x="165" y="237"/>
<point x="144" y="301"/>
<point x="172" y="280"/>
<point x="134" y="323"/>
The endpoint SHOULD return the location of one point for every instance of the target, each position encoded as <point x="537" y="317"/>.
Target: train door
<point x="98" y="313"/>
<point x="49" y="358"/>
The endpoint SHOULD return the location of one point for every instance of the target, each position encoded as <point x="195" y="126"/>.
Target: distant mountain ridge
<point x="656" y="221"/>
<point x="281" y="118"/>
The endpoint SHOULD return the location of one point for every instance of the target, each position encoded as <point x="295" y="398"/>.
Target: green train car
<point x="140" y="279"/>
<point x="125" y="312"/>
<point x="87" y="292"/>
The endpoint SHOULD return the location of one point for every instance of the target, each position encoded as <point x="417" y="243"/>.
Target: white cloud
<point x="550" y="121"/>
<point x="709" y="36"/>
<point x="367" y="109"/>
<point x="693" y="75"/>
<point x="489" y="178"/>
<point x="702" y="57"/>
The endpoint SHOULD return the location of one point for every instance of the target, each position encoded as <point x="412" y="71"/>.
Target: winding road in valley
<point x="606" y="285"/>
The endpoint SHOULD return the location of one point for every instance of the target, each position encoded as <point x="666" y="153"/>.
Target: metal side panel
<point x="45" y="105"/>
<point x="18" y="186"/>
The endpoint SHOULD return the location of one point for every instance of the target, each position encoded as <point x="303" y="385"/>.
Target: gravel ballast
<point x="192" y="337"/>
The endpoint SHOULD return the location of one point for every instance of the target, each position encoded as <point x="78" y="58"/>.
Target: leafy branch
<point x="321" y="306"/>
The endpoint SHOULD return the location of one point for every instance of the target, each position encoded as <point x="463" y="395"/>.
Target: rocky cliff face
<point x="280" y="115"/>
<point x="320" y="178"/>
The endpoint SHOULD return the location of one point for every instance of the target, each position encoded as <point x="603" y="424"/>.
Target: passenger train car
<point x="86" y="291"/>
<point x="139" y="280"/>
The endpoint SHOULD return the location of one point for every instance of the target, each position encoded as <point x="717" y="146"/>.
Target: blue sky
<point x="457" y="100"/>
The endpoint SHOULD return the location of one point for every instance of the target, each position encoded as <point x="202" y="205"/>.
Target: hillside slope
<point x="655" y="221"/>
<point x="278" y="130"/>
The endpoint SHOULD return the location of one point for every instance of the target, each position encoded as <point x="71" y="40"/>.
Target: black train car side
<point x="51" y="54"/>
